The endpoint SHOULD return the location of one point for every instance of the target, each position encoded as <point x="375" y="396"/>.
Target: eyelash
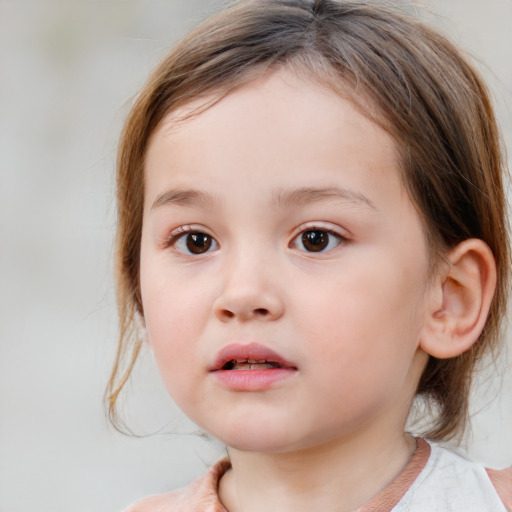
<point x="305" y="236"/>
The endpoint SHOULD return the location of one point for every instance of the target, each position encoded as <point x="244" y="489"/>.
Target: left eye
<point x="317" y="240"/>
<point x="195" y="242"/>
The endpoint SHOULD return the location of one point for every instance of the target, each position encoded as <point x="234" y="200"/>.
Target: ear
<point x="460" y="300"/>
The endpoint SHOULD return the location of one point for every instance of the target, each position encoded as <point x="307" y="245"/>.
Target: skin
<point x="351" y="318"/>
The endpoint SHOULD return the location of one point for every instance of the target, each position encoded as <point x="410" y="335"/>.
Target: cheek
<point x="172" y="322"/>
<point x="175" y="316"/>
<point x="173" y="344"/>
<point x="368" y="320"/>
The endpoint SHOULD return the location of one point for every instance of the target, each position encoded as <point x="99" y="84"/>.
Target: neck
<point x="338" y="476"/>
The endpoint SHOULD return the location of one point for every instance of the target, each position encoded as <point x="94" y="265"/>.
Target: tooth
<point x="251" y="364"/>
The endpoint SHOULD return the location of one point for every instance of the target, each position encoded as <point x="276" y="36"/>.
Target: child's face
<point x="277" y="228"/>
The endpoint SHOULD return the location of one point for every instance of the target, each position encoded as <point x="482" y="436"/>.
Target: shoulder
<point x="199" y="495"/>
<point x="454" y="483"/>
<point x="160" y="503"/>
<point x="502" y="481"/>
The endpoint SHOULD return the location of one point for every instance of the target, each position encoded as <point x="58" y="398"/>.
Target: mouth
<point x="251" y="368"/>
<point x="240" y="357"/>
<point x="250" y="364"/>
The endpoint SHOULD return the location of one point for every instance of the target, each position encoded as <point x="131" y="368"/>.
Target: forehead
<point x="257" y="115"/>
<point x="273" y="135"/>
<point x="294" y="77"/>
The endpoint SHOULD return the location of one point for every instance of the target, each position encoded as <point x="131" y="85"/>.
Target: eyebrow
<point x="282" y="198"/>
<point x="307" y="195"/>
<point x="183" y="197"/>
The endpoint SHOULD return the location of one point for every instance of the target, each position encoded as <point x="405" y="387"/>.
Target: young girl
<point x="312" y="233"/>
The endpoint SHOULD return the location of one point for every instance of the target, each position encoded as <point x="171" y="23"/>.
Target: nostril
<point x="246" y="310"/>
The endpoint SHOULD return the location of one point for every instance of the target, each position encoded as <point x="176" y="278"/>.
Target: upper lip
<point x="251" y="351"/>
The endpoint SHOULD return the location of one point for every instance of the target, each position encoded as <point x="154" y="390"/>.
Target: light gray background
<point x="68" y="71"/>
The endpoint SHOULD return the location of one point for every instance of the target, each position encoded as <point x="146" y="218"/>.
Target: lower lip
<point x="253" y="380"/>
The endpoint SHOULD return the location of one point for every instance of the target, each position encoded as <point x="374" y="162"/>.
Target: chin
<point x="266" y="439"/>
<point x="259" y="445"/>
<point x="254" y="437"/>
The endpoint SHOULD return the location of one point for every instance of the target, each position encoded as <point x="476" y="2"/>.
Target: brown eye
<point x="194" y="242"/>
<point x="198" y="243"/>
<point x="317" y="240"/>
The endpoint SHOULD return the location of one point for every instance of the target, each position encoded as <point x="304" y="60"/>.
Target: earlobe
<point x="466" y="287"/>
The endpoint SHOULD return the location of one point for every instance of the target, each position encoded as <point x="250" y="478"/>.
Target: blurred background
<point x="68" y="72"/>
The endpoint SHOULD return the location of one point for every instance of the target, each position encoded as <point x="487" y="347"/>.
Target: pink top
<point x="428" y="468"/>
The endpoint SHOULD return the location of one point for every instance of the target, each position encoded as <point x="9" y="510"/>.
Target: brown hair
<point x="420" y="88"/>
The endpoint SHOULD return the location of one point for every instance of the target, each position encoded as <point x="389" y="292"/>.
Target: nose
<point x="249" y="292"/>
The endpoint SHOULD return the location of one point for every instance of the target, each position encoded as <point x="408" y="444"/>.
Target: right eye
<point x="317" y="240"/>
<point x="194" y="242"/>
